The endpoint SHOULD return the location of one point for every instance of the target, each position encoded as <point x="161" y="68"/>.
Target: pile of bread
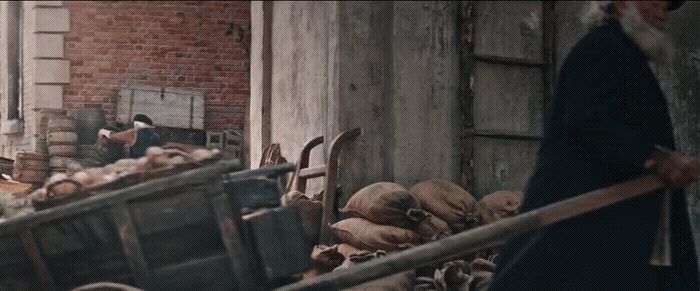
<point x="156" y="159"/>
<point x="386" y="217"/>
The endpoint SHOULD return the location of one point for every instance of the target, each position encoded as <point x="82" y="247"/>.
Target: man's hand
<point x="103" y="133"/>
<point x="676" y="169"/>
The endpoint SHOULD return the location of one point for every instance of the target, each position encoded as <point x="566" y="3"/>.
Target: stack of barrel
<point x="62" y="142"/>
<point x="31" y="168"/>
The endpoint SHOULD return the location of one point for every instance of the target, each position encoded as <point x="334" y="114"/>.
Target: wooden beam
<point x="508" y="61"/>
<point x="234" y="234"/>
<point x="313" y="172"/>
<point x="473" y="240"/>
<point x="40" y="267"/>
<point x="131" y="245"/>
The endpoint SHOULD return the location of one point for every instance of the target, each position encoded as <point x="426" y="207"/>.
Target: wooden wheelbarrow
<point x="329" y="170"/>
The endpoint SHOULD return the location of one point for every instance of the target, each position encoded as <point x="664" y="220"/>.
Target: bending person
<point x="139" y="138"/>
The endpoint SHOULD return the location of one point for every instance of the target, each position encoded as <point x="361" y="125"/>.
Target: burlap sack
<point x="498" y="205"/>
<point x="310" y="212"/>
<point x="383" y="203"/>
<point x="478" y="281"/>
<point x="452" y="275"/>
<point x="449" y="276"/>
<point x="480" y="264"/>
<point x="432" y="228"/>
<point x="446" y="201"/>
<point x="326" y="258"/>
<point x="397" y="282"/>
<point x="360" y="257"/>
<point x="363" y="234"/>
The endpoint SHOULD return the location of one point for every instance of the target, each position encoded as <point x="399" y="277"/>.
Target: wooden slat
<point x="508" y="61"/>
<point x="177" y="181"/>
<point x="131" y="245"/>
<point x="169" y="212"/>
<point x="281" y="244"/>
<point x="40" y="267"/>
<point x="313" y="172"/>
<point x="185" y="109"/>
<point x="233" y="234"/>
<point x="506" y="135"/>
<point x="212" y="269"/>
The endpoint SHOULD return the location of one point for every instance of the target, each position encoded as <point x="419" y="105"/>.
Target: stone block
<point x="48" y="45"/>
<point x="48" y="96"/>
<point x="32" y="4"/>
<point x="11" y="126"/>
<point x="50" y="20"/>
<point x="51" y="72"/>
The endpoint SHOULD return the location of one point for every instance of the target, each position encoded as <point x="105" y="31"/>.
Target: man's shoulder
<point x="607" y="39"/>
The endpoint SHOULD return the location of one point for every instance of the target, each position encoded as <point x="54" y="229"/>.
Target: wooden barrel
<point x="30" y="168"/>
<point x="61" y="123"/>
<point x="61" y="137"/>
<point x="60" y="162"/>
<point x="62" y="150"/>
<point x="88" y="122"/>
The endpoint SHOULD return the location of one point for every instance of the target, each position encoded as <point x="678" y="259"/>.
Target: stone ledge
<point x="48" y="45"/>
<point x="48" y="97"/>
<point x="32" y="4"/>
<point x="11" y="126"/>
<point x="50" y="20"/>
<point x="51" y="71"/>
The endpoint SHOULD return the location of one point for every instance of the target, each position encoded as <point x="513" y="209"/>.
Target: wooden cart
<point x="182" y="232"/>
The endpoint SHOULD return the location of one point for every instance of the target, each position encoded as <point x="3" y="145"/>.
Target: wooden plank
<point x="205" y="274"/>
<point x="519" y="34"/>
<point x="185" y="109"/>
<point x="42" y="270"/>
<point x="131" y="245"/>
<point x="238" y="246"/>
<point x="75" y="234"/>
<point x="281" y="244"/>
<point x="508" y="61"/>
<point x="313" y="172"/>
<point x="256" y="193"/>
<point x="505" y="134"/>
<point x="502" y="164"/>
<point x="177" y="181"/>
<point x="169" y="212"/>
<point x="515" y="106"/>
<point x="12" y="251"/>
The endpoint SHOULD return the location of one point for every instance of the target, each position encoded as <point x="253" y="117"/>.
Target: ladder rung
<point x="313" y="172"/>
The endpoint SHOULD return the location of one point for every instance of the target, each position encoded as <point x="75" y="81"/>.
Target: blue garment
<point x="145" y="138"/>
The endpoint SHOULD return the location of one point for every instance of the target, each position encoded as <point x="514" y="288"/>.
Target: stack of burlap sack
<point x="386" y="217"/>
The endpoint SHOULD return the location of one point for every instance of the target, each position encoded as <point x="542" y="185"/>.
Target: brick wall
<point x="193" y="45"/>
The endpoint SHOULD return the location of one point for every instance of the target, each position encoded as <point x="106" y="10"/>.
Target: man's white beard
<point x="655" y="43"/>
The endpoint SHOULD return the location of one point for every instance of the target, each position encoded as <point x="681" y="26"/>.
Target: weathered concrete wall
<point x="302" y="56"/>
<point x="681" y="82"/>
<point x="391" y="68"/>
<point x="255" y="105"/>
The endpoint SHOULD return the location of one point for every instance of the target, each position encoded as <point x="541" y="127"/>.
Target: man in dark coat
<point x="607" y="124"/>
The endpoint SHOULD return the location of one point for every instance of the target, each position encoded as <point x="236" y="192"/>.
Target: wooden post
<point x="40" y="267"/>
<point x="131" y="245"/>
<point x="233" y="234"/>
